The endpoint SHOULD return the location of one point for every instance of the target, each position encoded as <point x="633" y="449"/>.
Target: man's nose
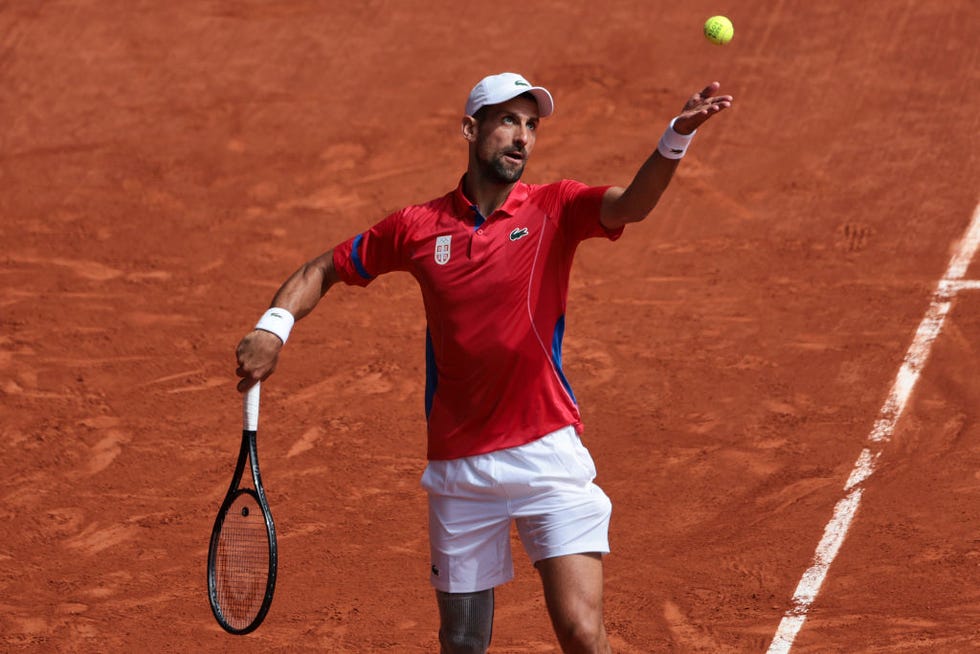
<point x="521" y="134"/>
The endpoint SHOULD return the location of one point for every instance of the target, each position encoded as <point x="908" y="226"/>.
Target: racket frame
<point x="249" y="451"/>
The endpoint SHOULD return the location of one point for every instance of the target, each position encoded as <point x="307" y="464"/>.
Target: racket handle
<point x="251" y="408"/>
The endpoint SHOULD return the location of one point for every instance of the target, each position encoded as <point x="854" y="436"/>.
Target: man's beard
<point x="499" y="171"/>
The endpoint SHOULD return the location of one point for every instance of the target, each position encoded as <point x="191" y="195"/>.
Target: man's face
<point x="505" y="136"/>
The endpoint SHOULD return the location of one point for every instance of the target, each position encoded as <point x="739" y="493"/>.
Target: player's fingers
<point x="702" y="96"/>
<point x="702" y="110"/>
<point x="710" y="89"/>
<point x="711" y="107"/>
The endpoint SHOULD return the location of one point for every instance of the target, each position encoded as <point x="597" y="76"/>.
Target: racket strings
<point x="242" y="562"/>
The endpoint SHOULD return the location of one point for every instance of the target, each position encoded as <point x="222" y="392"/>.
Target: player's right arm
<point x="621" y="206"/>
<point x="258" y="351"/>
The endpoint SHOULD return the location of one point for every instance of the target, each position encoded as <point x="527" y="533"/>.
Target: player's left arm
<point x="633" y="203"/>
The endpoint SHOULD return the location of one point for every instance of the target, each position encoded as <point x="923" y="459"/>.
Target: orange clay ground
<point x="164" y="166"/>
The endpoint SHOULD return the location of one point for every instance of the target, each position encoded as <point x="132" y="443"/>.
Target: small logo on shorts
<point x="442" y="249"/>
<point x="435" y="571"/>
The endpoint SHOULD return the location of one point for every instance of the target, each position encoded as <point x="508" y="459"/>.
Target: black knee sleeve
<point x="465" y="621"/>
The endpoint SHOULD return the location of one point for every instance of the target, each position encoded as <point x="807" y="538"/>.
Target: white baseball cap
<point x="495" y="89"/>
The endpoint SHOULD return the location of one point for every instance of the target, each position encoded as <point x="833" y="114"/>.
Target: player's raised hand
<point x="700" y="107"/>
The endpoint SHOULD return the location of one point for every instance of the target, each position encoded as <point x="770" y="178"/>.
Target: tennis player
<point x="492" y="258"/>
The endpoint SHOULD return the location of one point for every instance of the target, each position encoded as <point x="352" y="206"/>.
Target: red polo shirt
<point x="495" y="291"/>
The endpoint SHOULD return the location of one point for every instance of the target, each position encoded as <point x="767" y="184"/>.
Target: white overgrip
<point x="251" y="411"/>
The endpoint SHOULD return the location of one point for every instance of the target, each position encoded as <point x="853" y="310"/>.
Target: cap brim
<point x="546" y="106"/>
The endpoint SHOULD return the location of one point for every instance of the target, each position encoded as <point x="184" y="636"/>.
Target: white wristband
<point x="278" y="321"/>
<point x="673" y="145"/>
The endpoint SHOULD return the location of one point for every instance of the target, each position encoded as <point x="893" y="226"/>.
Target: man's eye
<point x="508" y="120"/>
<point x="532" y="126"/>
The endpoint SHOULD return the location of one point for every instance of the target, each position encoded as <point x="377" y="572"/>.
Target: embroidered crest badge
<point x="443" y="249"/>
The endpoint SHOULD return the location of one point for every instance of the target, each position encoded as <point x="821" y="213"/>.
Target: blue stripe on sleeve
<point x="355" y="257"/>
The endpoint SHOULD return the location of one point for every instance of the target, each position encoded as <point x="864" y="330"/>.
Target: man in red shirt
<point x="492" y="259"/>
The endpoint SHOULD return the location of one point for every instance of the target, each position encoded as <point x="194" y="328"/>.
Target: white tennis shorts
<point x="545" y="487"/>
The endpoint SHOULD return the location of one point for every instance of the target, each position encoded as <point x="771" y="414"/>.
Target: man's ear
<point x="469" y="128"/>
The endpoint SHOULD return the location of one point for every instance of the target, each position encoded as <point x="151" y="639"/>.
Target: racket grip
<point x="251" y="408"/>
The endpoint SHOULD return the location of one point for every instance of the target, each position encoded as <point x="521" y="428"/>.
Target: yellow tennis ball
<point x="719" y="30"/>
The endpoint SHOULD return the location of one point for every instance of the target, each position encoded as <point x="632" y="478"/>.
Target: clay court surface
<point x="165" y="165"/>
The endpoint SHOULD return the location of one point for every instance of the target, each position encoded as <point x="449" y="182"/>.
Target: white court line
<point x="891" y="411"/>
<point x="950" y="286"/>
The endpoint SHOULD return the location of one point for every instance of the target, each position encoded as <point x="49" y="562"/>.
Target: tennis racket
<point x="242" y="557"/>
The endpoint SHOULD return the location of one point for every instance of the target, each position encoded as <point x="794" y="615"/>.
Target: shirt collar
<point x="464" y="206"/>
